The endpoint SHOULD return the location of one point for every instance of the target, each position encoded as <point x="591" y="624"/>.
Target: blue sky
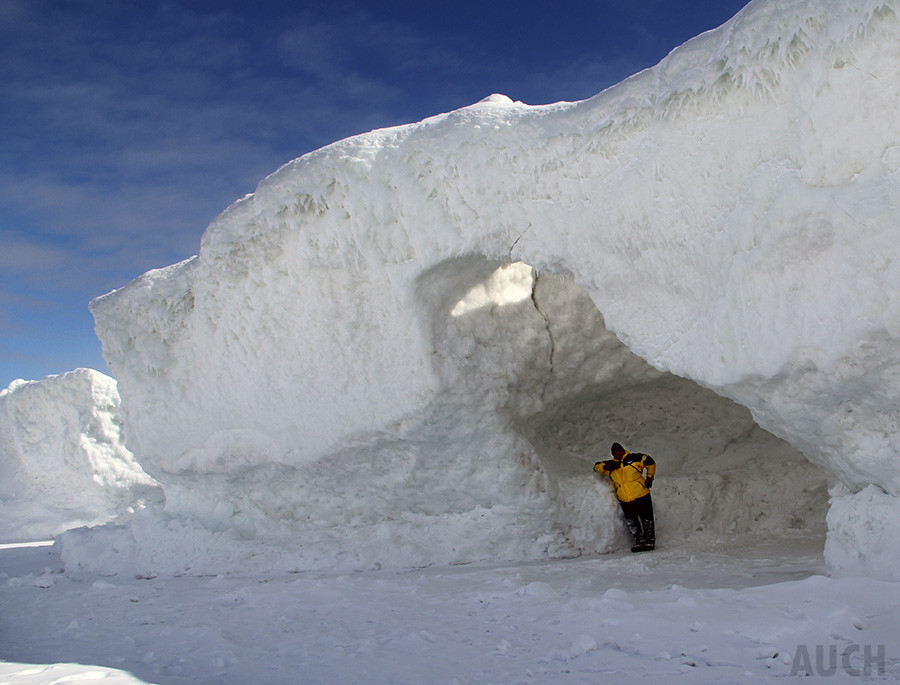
<point x="128" y="125"/>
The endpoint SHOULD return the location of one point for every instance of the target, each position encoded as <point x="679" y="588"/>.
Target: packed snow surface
<point x="63" y="461"/>
<point x="409" y="347"/>
<point x="747" y="612"/>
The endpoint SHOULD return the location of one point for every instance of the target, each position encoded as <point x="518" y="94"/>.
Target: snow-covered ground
<point x="744" y="611"/>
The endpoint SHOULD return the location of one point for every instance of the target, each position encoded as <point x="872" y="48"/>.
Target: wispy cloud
<point x="28" y="256"/>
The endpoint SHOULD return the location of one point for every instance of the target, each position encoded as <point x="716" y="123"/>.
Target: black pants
<point x="639" y="517"/>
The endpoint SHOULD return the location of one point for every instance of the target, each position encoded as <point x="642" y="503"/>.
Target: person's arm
<point x="650" y="465"/>
<point x="604" y="468"/>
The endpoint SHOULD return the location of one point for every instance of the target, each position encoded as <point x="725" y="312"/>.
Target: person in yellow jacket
<point x="626" y="469"/>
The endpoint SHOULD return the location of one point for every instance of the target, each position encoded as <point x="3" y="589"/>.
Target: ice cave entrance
<point x="534" y="347"/>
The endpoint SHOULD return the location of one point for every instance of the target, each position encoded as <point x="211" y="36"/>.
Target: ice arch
<point x="732" y="213"/>
<point x="532" y="348"/>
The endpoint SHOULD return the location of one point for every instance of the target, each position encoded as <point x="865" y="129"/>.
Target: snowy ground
<point x="743" y="613"/>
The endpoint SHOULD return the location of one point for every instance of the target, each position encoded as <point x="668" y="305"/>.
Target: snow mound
<point x="63" y="460"/>
<point x="355" y="368"/>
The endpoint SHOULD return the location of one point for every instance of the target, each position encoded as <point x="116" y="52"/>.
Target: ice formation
<point x="63" y="460"/>
<point x="410" y="346"/>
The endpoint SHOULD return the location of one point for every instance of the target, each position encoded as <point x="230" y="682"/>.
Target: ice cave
<point x="410" y="347"/>
<point x="534" y="348"/>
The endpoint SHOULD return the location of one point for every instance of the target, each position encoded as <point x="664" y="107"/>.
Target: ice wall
<point x="63" y="460"/>
<point x="732" y="213"/>
<point x="497" y="466"/>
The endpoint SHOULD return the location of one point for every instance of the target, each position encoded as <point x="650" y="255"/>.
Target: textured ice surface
<point x="63" y="460"/>
<point x="356" y="365"/>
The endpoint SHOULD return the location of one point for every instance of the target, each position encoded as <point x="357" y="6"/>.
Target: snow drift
<point x="63" y="460"/>
<point x="410" y="346"/>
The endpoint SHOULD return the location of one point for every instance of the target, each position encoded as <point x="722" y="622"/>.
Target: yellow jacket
<point x="627" y="474"/>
